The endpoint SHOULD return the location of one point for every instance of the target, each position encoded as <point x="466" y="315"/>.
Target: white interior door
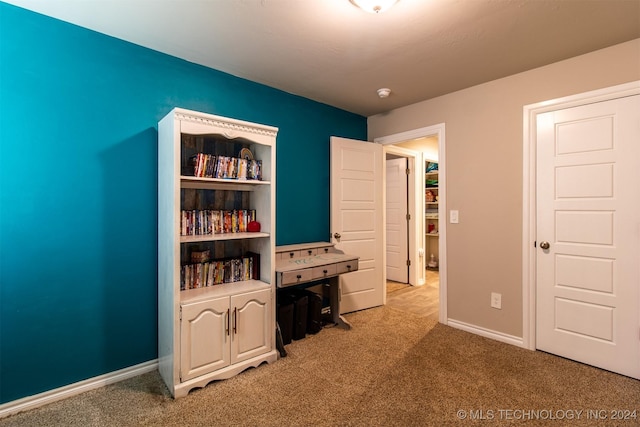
<point x="396" y="221"/>
<point x="588" y="214"/>
<point x="357" y="217"/>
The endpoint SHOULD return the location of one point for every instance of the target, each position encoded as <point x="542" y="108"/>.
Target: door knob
<point x="544" y="245"/>
<point x="337" y="235"/>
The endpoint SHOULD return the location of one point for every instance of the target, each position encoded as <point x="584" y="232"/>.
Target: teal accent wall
<point x="78" y="240"/>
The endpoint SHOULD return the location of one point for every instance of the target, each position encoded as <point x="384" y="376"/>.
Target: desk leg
<point x="279" y="342"/>
<point x="334" y="302"/>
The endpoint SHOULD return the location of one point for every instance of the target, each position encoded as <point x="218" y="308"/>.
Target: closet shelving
<point x="431" y="209"/>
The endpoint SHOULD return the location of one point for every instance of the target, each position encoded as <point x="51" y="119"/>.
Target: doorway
<point x="421" y="146"/>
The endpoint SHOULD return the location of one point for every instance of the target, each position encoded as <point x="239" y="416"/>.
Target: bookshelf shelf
<point x="220" y="183"/>
<point x="225" y="290"/>
<point x="208" y="333"/>
<point x="222" y="237"/>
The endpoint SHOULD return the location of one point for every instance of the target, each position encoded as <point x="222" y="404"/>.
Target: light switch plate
<point x="453" y="216"/>
<point x="496" y="300"/>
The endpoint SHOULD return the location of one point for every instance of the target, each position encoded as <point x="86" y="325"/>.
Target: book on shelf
<point x="203" y="165"/>
<point x="217" y="272"/>
<point x="209" y="221"/>
<point x="254" y="170"/>
<point x="223" y="167"/>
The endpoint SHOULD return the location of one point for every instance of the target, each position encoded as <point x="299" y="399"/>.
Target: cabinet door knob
<point x="227" y="322"/>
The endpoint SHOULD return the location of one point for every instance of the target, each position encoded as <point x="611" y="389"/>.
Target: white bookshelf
<point x="213" y="332"/>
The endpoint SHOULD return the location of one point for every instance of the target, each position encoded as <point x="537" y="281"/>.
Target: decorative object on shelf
<point x="253" y="227"/>
<point x="246" y="154"/>
<point x="198" y="256"/>
<point x="428" y="196"/>
<point x="432" y="167"/>
<point x="432" y="262"/>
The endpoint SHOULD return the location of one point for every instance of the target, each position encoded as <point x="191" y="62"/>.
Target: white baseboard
<point x="487" y="333"/>
<point x="41" y="399"/>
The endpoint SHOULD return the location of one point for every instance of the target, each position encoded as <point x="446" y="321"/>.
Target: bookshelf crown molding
<point x="231" y="127"/>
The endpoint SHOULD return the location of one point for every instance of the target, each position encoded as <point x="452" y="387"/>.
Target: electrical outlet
<point x="496" y="300"/>
<point x="453" y="216"/>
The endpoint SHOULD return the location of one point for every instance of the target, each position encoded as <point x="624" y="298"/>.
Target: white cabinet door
<point x="252" y="333"/>
<point x="204" y="338"/>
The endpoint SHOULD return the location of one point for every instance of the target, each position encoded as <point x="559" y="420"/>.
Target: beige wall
<point x="484" y="173"/>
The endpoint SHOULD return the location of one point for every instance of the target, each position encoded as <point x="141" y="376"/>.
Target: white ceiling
<point x="332" y="52"/>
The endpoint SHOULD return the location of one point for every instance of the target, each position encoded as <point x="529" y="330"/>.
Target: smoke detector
<point x="384" y="92"/>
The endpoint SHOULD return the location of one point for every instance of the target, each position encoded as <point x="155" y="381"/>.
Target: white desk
<point x="314" y="263"/>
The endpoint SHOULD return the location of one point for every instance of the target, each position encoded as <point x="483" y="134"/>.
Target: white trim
<point x="487" y="333"/>
<point x="439" y="131"/>
<point x="41" y="399"/>
<point x="530" y="113"/>
<point x="410" y="134"/>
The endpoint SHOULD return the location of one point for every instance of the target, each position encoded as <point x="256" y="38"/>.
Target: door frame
<point x="529" y="226"/>
<point x="439" y="131"/>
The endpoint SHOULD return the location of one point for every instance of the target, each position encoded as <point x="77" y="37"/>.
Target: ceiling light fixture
<point x="374" y="6"/>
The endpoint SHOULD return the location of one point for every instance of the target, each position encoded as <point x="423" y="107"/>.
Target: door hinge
<point x="180" y="312"/>
<point x="408" y="262"/>
<point x="407" y="171"/>
<point x="408" y="217"/>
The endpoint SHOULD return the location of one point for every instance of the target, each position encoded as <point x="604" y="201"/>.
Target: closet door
<point x="588" y="244"/>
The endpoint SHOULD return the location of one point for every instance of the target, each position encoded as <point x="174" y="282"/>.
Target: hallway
<point x="423" y="300"/>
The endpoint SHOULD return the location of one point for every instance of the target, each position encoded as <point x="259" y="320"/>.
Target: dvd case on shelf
<point x="217" y="272"/>
<point x="224" y="167"/>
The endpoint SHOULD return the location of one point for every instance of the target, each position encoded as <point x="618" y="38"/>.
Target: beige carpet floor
<point x="391" y="369"/>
